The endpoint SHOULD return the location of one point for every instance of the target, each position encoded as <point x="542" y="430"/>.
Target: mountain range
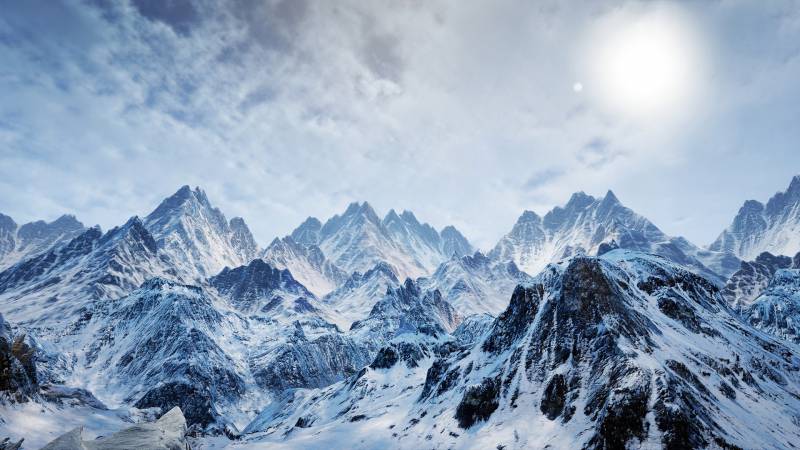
<point x="587" y="327"/>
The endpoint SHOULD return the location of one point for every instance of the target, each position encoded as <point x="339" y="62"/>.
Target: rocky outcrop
<point x="18" y="376"/>
<point x="746" y="284"/>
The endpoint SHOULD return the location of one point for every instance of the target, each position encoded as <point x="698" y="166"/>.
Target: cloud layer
<point x="461" y="111"/>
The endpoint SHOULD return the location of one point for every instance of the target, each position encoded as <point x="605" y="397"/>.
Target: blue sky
<point x="464" y="112"/>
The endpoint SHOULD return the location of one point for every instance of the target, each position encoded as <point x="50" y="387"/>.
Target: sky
<point x="465" y="112"/>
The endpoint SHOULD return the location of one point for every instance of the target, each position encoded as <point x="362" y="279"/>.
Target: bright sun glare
<point x="645" y="64"/>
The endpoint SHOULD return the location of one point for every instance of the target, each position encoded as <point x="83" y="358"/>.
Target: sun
<point x="645" y="64"/>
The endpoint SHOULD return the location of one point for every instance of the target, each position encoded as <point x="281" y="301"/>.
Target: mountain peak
<point x="610" y="197"/>
<point x="6" y="221"/>
<point x="580" y="199"/>
<point x="759" y="227"/>
<point x="794" y="186"/>
<point x="356" y="207"/>
<point x="391" y="216"/>
<point x="409" y="217"/>
<point x="308" y="232"/>
<point x="175" y="202"/>
<point x="529" y="216"/>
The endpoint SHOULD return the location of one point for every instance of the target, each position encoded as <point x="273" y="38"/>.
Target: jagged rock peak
<point x="757" y="227"/>
<point x="384" y="268"/>
<point x="133" y="228"/>
<point x="363" y="208"/>
<point x="579" y="199"/>
<point x="529" y="216"/>
<point x="610" y="197"/>
<point x="453" y="242"/>
<point x="6" y="222"/>
<point x="308" y="232"/>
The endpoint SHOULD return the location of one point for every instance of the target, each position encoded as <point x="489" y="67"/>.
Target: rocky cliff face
<point x="777" y="309"/>
<point x="18" y="376"/>
<point x="307" y="264"/>
<point x="746" y="284"/>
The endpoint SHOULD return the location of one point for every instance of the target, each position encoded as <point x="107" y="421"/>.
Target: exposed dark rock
<point x="514" y="321"/>
<point x="606" y="247"/>
<point x="554" y="397"/>
<point x="256" y="283"/>
<point x="18" y="377"/>
<point x="408" y="352"/>
<point x="7" y="444"/>
<point x="478" y="403"/>
<point x="623" y="418"/>
<point x="304" y="363"/>
<point x="194" y="401"/>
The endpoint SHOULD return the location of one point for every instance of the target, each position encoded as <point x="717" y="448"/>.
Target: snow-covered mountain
<point x="583" y="225"/>
<point x="306" y="262"/>
<point x="476" y="284"/>
<point x="53" y="289"/>
<point x="777" y="309"/>
<point x="287" y="340"/>
<point x="197" y="236"/>
<point x="358" y="239"/>
<point x="747" y="283"/>
<point x="363" y="332"/>
<point x="18" y="243"/>
<point x="757" y="228"/>
<point x="625" y="350"/>
<point x="160" y="346"/>
<point x="406" y="309"/>
<point x="259" y="286"/>
<point x="356" y="297"/>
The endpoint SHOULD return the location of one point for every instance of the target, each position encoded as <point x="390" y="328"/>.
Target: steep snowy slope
<point x="306" y="263"/>
<point x="356" y="297"/>
<point x="31" y="239"/>
<point x="197" y="236"/>
<point x="752" y="278"/>
<point x="582" y="225"/>
<point x="161" y="346"/>
<point x="406" y="309"/>
<point x="53" y="289"/>
<point x="361" y="412"/>
<point x="476" y="284"/>
<point x="757" y="228"/>
<point x="288" y="341"/>
<point x="622" y="351"/>
<point x="777" y="309"/>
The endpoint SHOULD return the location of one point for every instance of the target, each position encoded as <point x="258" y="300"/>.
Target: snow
<point x="582" y="226"/>
<point x="757" y="228"/>
<point x="40" y="422"/>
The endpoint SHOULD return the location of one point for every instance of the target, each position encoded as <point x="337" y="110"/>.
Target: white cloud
<point x="286" y="109"/>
